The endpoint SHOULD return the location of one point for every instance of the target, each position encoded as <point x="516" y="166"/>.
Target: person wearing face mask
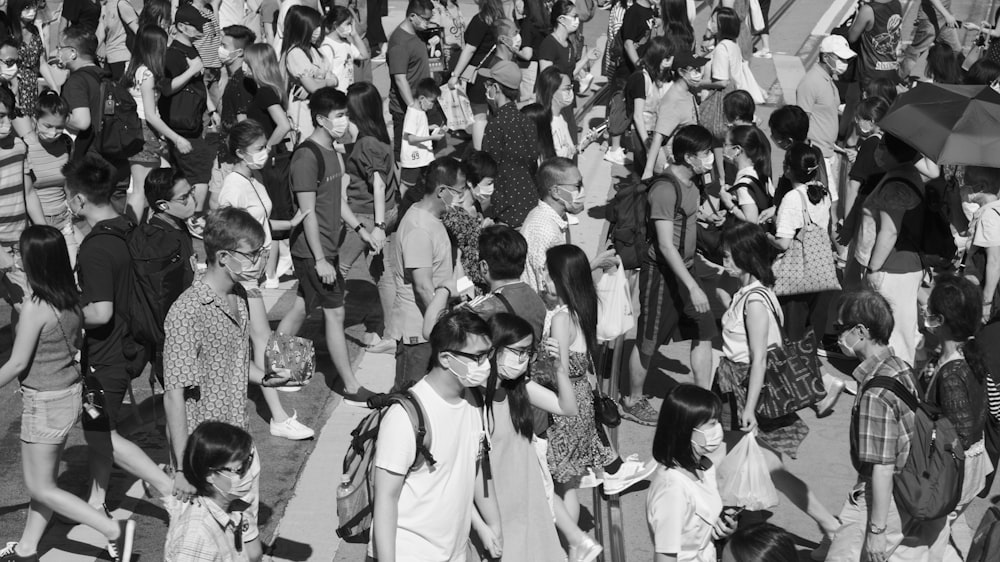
<point x="520" y="482"/>
<point x="955" y="379"/>
<point x="209" y="360"/>
<point x="111" y="33"/>
<point x="677" y="109"/>
<point x="408" y="63"/>
<point x="669" y="290"/>
<point x="643" y="91"/>
<point x="31" y="60"/>
<point x="751" y="325"/>
<point x="410" y="501"/>
<point x="423" y="261"/>
<point x="18" y="204"/>
<point x="304" y="64"/>
<point x="481" y="49"/>
<point x="818" y="96"/>
<point x="236" y="94"/>
<point x="343" y="45"/>
<point x="221" y="461"/>
<point x="511" y="138"/>
<point x="864" y="176"/>
<point x="683" y="506"/>
<point x="416" y="134"/>
<point x="560" y="193"/>
<point x="554" y="92"/>
<point x="979" y="194"/>
<point x="48" y="151"/>
<point x="882" y="427"/>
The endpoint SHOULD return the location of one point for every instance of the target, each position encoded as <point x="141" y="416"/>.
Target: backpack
<point x="118" y="133"/>
<point x="356" y="493"/>
<point x="187" y="108"/>
<point x="930" y="483"/>
<point x="986" y="542"/>
<point x="155" y="278"/>
<point x="936" y="244"/>
<point x="761" y="198"/>
<point x="628" y="215"/>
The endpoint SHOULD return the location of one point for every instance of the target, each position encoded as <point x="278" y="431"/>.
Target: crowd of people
<point x="163" y="165"/>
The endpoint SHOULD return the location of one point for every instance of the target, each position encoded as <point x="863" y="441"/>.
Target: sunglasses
<point x="241" y="471"/>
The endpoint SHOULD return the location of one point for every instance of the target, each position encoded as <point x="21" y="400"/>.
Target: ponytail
<point x="816" y="191"/>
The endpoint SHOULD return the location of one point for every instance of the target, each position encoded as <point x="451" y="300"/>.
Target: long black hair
<point x="569" y="269"/>
<point x="508" y="329"/>
<point x="47" y="266"/>
<point x="684" y="408"/>
<point x="959" y="302"/>
<point x="803" y="161"/>
<point x="364" y="109"/>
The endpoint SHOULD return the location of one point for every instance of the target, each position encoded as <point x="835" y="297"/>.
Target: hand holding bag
<point x="743" y="477"/>
<point x="809" y="264"/>
<point x="792" y="380"/>
<point x="293" y="353"/>
<point x="614" y="305"/>
<point x="456" y="107"/>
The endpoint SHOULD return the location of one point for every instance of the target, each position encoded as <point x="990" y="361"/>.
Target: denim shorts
<point x="49" y="415"/>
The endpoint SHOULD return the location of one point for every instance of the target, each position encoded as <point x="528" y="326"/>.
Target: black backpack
<point x="986" y="542"/>
<point x="186" y="109"/>
<point x="761" y="198"/>
<point x="935" y="241"/>
<point x="155" y="280"/>
<point x="118" y="132"/>
<point x="628" y="215"/>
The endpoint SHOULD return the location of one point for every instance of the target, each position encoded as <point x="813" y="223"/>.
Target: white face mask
<point x="695" y="76"/>
<point x="227" y="56"/>
<point x="575" y="204"/>
<point x="511" y="366"/>
<point x="847" y="349"/>
<point x="257" y="160"/>
<point x="29" y="14"/>
<point x="470" y="374"/>
<point x="249" y="272"/>
<point x="571" y="23"/>
<point x="6" y="129"/>
<point x="838" y="66"/>
<point x="346" y="31"/>
<point x="515" y="43"/>
<point x="709" y="440"/>
<point x="969" y="209"/>
<point x="238" y="487"/>
<point x="336" y="127"/>
<point x="705" y="163"/>
<point x="49" y="135"/>
<point x="8" y="72"/>
<point x="566" y="96"/>
<point x="483" y="190"/>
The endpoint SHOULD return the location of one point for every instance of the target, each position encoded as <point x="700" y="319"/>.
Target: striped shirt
<point x="208" y="44"/>
<point x="13" y="217"/>
<point x="44" y="164"/>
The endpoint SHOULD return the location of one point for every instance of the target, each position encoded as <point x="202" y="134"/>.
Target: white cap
<point x="837" y="44"/>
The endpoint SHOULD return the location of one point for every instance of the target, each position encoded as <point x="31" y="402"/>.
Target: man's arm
<point x="486" y="503"/>
<point x="79" y="120"/>
<point x="388" y="487"/>
<point x="878" y="510"/>
<point x="97" y="314"/>
<point x="864" y="21"/>
<point x="404" y="88"/>
<point x="885" y="240"/>
<point x="177" y="430"/>
<point x="423" y="287"/>
<point x="665" y="243"/>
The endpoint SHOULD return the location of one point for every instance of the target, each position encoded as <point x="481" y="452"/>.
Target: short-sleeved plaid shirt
<point x="881" y="423"/>
<point x="203" y="531"/>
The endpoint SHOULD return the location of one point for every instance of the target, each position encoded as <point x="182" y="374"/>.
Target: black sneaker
<point x="121" y="549"/>
<point x="8" y="554"/>
<point x="640" y="411"/>
<point x="360" y="398"/>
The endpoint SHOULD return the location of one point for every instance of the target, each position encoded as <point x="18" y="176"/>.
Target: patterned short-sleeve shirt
<point x="207" y="353"/>
<point x="882" y="424"/>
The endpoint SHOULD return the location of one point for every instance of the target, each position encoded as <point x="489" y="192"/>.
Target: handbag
<point x="472" y="72"/>
<point x="710" y="113"/>
<point x="606" y="410"/>
<point x="809" y="264"/>
<point x="745" y="80"/>
<point x="293" y="353"/>
<point x="93" y="394"/>
<point x="792" y="380"/>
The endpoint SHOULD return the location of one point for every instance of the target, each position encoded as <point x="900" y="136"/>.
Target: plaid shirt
<point x="881" y="423"/>
<point x="203" y="532"/>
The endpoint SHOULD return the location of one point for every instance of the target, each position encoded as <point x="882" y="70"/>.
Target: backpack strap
<point x="676" y="184"/>
<point x="416" y="413"/>
<point x="893" y="385"/>
<point x="318" y="153"/>
<point x="504" y="301"/>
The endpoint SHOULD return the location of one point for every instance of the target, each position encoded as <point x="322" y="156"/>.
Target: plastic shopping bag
<point x="744" y="480"/>
<point x="456" y="107"/>
<point x="614" y="305"/>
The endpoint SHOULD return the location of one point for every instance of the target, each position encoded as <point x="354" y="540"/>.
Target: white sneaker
<point x="630" y="473"/>
<point x="290" y="388"/>
<point x="291" y="429"/>
<point x="615" y="156"/>
<point x="272" y="283"/>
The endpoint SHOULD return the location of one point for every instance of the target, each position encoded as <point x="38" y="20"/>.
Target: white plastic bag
<point x="614" y="305"/>
<point x="756" y="17"/>
<point x="744" y="480"/>
<point x="456" y="107"/>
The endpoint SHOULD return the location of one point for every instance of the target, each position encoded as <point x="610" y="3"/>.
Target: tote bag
<point x="809" y="264"/>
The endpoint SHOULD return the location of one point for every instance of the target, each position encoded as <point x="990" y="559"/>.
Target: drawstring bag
<point x="743" y="477"/>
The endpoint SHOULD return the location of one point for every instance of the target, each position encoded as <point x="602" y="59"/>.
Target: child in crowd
<point x="49" y="148"/>
<point x="343" y="45"/>
<point x="418" y="138"/>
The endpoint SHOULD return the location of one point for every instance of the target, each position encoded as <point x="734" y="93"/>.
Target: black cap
<point x="190" y="15"/>
<point x="688" y="60"/>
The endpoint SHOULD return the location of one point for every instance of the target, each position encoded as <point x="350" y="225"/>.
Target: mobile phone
<point x="733" y="512"/>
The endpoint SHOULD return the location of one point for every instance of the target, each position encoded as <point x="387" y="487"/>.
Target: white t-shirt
<point x="681" y="512"/>
<point x="789" y="218"/>
<point x="743" y="196"/>
<point x="561" y="139"/>
<point x="419" y="154"/>
<point x="726" y="61"/>
<point x="986" y="225"/>
<point x="141" y="75"/>
<point x="435" y="507"/>
<point x="340" y="56"/>
<point x="251" y="196"/>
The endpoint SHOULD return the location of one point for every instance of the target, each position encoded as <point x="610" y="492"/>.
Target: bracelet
<point x="380" y="225"/>
<point x="358" y="227"/>
<point x="445" y="288"/>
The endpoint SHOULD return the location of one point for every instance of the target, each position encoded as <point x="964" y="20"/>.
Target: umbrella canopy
<point x="949" y="124"/>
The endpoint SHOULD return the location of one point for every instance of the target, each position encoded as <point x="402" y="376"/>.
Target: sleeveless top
<point x="54" y="366"/>
<point x="878" y="44"/>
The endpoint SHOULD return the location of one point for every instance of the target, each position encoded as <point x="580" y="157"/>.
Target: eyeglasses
<point x="578" y="185"/>
<point x="479" y="358"/>
<point x="10" y="62"/>
<point x="523" y="352"/>
<point x="426" y="19"/>
<point x="241" y="471"/>
<point x="253" y="256"/>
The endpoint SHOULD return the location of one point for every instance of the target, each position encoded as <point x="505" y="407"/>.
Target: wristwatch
<point x="358" y="228"/>
<point x="875" y="529"/>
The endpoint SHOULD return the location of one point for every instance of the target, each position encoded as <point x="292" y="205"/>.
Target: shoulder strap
<point x="506" y="303"/>
<point x="416" y="413"/>
<point x="767" y="300"/>
<point x="894" y="386"/>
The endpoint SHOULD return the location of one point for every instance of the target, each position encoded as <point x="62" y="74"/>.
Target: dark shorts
<point x="197" y="164"/>
<point x="412" y="362"/>
<point x="111" y="384"/>
<point x="313" y="290"/>
<point x="410" y="176"/>
<point x="153" y="148"/>
<point x="665" y="310"/>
